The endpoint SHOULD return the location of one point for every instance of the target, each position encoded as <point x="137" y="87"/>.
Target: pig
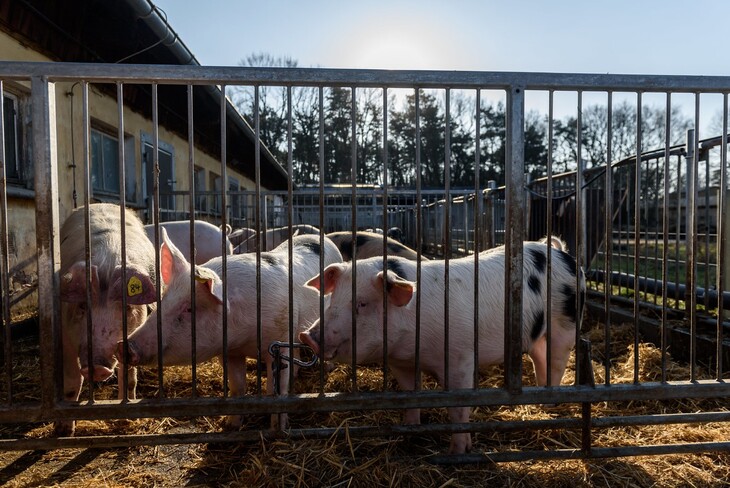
<point x="242" y="302"/>
<point x="274" y="237"/>
<point x="399" y="281"/>
<point x="239" y="235"/>
<point x="106" y="295"/>
<point x="207" y="238"/>
<point x="369" y="244"/>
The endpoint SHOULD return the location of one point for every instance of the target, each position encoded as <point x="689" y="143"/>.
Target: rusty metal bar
<point x="191" y="198"/>
<point x="514" y="236"/>
<point x="5" y="255"/>
<point x="122" y="369"/>
<point x="419" y="237"/>
<point x="88" y="253"/>
<point x="447" y="234"/>
<point x="721" y="237"/>
<point x="47" y="240"/>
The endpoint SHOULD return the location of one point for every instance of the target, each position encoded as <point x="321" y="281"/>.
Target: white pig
<point x="106" y="295"/>
<point x="208" y="238"/>
<point x="242" y="317"/>
<point x="400" y="285"/>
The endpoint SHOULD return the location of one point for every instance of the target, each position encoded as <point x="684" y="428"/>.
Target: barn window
<point x="13" y="170"/>
<point x="104" y="162"/>
<point x="199" y="185"/>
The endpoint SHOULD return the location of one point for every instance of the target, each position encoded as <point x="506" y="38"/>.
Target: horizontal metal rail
<point x="310" y="402"/>
<point x="175" y="74"/>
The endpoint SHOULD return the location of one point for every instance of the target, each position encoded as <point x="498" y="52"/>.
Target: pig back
<point x="106" y="240"/>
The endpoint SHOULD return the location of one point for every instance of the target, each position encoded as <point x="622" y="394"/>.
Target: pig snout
<point x="134" y="357"/>
<point x="311" y="339"/>
<point x="99" y="373"/>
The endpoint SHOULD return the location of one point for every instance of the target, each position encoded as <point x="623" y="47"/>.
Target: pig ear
<point x="400" y="291"/>
<point x="171" y="259"/>
<point x="212" y="280"/>
<point x="139" y="287"/>
<point x="73" y="283"/>
<point x="331" y="275"/>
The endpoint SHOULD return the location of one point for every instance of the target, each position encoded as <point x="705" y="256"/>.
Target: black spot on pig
<point x="346" y="250"/>
<point x="362" y="239"/>
<point x="537" y="325"/>
<point x="394" y="248"/>
<point x="568" y="261"/>
<point x="269" y="259"/>
<point x="395" y="267"/>
<point x="313" y="247"/>
<point x="539" y="260"/>
<point x="534" y="283"/>
<point x="570" y="309"/>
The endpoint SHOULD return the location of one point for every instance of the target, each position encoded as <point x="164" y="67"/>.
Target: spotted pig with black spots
<point x="368" y="244"/>
<point x="567" y="298"/>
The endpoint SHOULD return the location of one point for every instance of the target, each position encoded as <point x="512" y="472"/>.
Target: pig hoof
<point x="64" y="429"/>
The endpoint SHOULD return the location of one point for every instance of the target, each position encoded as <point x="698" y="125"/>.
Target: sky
<point x="587" y="36"/>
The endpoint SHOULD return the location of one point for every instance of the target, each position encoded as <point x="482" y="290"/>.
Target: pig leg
<point x="461" y="442"/>
<point x="562" y="342"/>
<point x="406" y="378"/>
<point x="72" y="381"/>
<point x="461" y="376"/>
<point x="538" y="355"/>
<point x="236" y="382"/>
<point x="131" y="373"/>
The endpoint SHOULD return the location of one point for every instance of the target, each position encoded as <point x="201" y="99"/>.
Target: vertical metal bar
<point x="514" y="237"/>
<point x="692" y="241"/>
<point x="192" y="197"/>
<point x="156" y="222"/>
<point x="4" y="252"/>
<point x="45" y="171"/>
<point x="122" y="368"/>
<point x="257" y="172"/>
<point x="637" y="233"/>
<point x="353" y="210"/>
<point x="447" y="231"/>
<point x="549" y="219"/>
<point x="477" y="230"/>
<point x="419" y="236"/>
<point x="290" y="218"/>
<point x="721" y="239"/>
<point x="608" y="215"/>
<point x="385" y="232"/>
<point x="665" y="231"/>
<point x="321" y="223"/>
<point x="87" y="231"/>
<point x="224" y="222"/>
<point x="580" y="227"/>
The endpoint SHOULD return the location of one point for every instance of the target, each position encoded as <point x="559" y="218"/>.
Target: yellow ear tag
<point x="200" y="279"/>
<point x="134" y="286"/>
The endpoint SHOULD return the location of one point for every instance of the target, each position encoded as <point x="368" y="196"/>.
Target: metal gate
<point x="457" y="222"/>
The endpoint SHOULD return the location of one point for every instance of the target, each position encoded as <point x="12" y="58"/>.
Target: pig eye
<point x="361" y="305"/>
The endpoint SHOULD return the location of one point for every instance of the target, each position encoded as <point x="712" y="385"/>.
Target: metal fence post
<point x="514" y="236"/>
<point x="45" y="173"/>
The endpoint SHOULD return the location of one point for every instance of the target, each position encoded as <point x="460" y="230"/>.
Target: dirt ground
<point x="397" y="461"/>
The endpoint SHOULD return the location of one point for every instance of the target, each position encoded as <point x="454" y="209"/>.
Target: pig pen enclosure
<point x="647" y="376"/>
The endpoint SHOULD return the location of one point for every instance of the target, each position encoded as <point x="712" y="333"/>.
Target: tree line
<point x="325" y="123"/>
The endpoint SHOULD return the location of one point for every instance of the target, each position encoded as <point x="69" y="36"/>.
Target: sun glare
<point x="390" y="45"/>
